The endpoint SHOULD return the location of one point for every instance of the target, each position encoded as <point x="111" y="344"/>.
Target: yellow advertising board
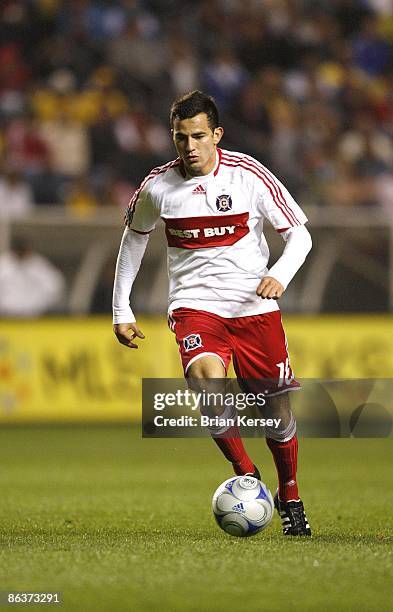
<point x="75" y="370"/>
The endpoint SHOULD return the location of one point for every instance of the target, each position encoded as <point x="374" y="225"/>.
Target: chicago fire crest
<point x="192" y="342"/>
<point x="224" y="203"/>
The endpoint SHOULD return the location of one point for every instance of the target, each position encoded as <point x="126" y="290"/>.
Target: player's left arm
<point x="298" y="245"/>
<point x="275" y="203"/>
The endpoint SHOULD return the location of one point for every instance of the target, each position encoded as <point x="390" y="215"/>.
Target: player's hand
<point x="126" y="333"/>
<point x="270" y="288"/>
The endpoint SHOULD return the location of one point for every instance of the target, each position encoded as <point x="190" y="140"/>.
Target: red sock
<point x="285" y="458"/>
<point x="231" y="445"/>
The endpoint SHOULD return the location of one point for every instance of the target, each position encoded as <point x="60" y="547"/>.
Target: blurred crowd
<point x="306" y="86"/>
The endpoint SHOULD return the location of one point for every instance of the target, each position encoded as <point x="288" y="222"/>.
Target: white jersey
<point x="217" y="253"/>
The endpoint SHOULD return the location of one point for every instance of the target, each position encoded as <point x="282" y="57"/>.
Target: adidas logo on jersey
<point x="199" y="189"/>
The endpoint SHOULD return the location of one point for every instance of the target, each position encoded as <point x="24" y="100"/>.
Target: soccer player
<point x="222" y="297"/>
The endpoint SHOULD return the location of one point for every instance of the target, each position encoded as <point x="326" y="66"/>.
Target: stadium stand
<point x="303" y="86"/>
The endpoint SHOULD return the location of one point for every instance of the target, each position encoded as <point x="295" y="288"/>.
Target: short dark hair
<point x="192" y="104"/>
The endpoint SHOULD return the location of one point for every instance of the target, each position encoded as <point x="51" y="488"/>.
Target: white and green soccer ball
<point x="243" y="506"/>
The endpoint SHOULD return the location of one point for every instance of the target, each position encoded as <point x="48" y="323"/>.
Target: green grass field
<point x="117" y="523"/>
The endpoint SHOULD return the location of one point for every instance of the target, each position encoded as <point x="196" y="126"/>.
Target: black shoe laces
<point x="296" y="516"/>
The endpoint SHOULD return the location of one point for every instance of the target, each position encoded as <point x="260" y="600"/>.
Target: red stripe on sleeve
<point x="288" y="218"/>
<point x="268" y="178"/>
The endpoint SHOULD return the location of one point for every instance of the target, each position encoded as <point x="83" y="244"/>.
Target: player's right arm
<point x="132" y="249"/>
<point x="141" y="217"/>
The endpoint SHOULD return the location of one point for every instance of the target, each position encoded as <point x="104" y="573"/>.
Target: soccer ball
<point x="243" y="506"/>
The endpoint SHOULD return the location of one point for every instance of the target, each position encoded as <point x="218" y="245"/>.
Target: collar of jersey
<point x="203" y="177"/>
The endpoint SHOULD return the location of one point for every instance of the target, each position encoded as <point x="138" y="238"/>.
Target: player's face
<point x="196" y="143"/>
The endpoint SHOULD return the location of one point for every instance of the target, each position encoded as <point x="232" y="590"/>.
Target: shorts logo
<point x="224" y="203"/>
<point x="192" y="342"/>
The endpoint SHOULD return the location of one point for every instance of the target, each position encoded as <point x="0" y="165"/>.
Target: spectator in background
<point x="366" y="145"/>
<point x="68" y="143"/>
<point x="14" y="79"/>
<point x="81" y="199"/>
<point x="25" y="148"/>
<point x="16" y="198"/>
<point x="183" y="66"/>
<point x="384" y="192"/>
<point x="140" y="138"/>
<point x="80" y="81"/>
<point x="140" y="51"/>
<point x="104" y="148"/>
<point x="224" y="77"/>
<point x="372" y="53"/>
<point x="30" y="285"/>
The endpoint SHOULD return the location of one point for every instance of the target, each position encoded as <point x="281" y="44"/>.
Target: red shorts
<point x="256" y="343"/>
